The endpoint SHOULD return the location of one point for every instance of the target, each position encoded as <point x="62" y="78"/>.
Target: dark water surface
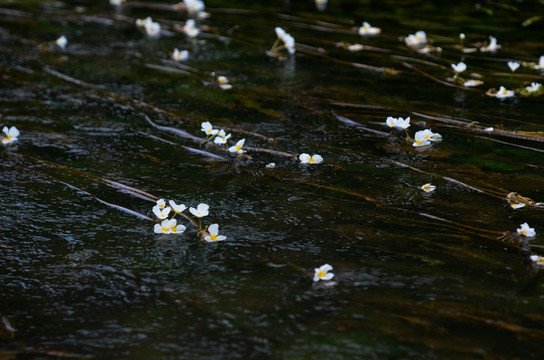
<point x="440" y="275"/>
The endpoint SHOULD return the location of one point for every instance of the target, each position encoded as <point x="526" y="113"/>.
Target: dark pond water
<point x="437" y="275"/>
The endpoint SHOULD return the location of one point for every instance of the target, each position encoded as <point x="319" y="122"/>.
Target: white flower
<point x="538" y="260"/>
<point x="462" y="36"/>
<point x="492" y="46"/>
<point x="513" y="65"/>
<point x="221" y="137"/>
<point x="355" y="47"/>
<point x="208" y="128"/>
<point x="307" y="159"/>
<point x="180" y="55"/>
<point x="161" y="213"/>
<point x="141" y="22"/>
<point x="459" y="68"/>
<point x="238" y="147"/>
<point x="526" y="230"/>
<point x="116" y="2"/>
<point x="424" y="137"/>
<point x="322" y="273"/>
<point x="194" y="6"/>
<point x="287" y="39"/>
<point x="504" y="93"/>
<point x="213" y="229"/>
<point x="391" y="121"/>
<point x="61" y="42"/>
<point x="200" y="211"/>
<point x="190" y="29"/>
<point x="366" y="29"/>
<point x="162" y="228"/>
<point x="152" y="28"/>
<point x="473" y="83"/>
<point x="403" y="123"/>
<point x="540" y="64"/>
<point x="177" y="208"/>
<point x="10" y="134"/>
<point x="417" y="39"/>
<point x="489" y="129"/>
<point x="517" y="205"/>
<point x="174" y="227"/>
<point x="533" y="87"/>
<point x="321" y="4"/>
<point x="224" y="83"/>
<point x="428" y="187"/>
<point x="161" y="203"/>
<point x="270" y="165"/>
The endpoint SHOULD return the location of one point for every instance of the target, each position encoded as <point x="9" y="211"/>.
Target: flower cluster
<point x="425" y="138"/>
<point x="170" y="225"/>
<point x="398" y="123"/>
<point x="10" y="135"/>
<point x="152" y="28"/>
<point x="284" y="41"/>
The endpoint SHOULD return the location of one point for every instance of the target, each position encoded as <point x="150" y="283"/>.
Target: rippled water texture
<point x="438" y="275"/>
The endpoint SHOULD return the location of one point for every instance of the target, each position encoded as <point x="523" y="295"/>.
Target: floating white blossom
<point x="355" y="47"/>
<point x="322" y="273"/>
<point x="513" y="65"/>
<point x="11" y="134"/>
<point x="61" y="42"/>
<point x="459" y="68"/>
<point x="492" y="46"/>
<point x="489" y="129"/>
<point x="161" y="213"/>
<point x="504" y="93"/>
<point x="169" y="227"/>
<point x="194" y="6"/>
<point x="208" y="128"/>
<point x="462" y="36"/>
<point x="287" y="39"/>
<point x="152" y="29"/>
<point x="473" y="83"/>
<point x="213" y="230"/>
<point x="526" y="230"/>
<point x="177" y="208"/>
<point x="190" y="29"/>
<point x="238" y="147"/>
<point x="116" y="2"/>
<point x="398" y="122"/>
<point x="417" y="39"/>
<point x="270" y="165"/>
<point x="425" y="137"/>
<point x="538" y="260"/>
<point x="307" y="159"/>
<point x="200" y="211"/>
<point x="517" y="205"/>
<point x="180" y="55"/>
<point x="223" y="82"/>
<point x="161" y="203"/>
<point x="428" y="187"/>
<point x="367" y="29"/>
<point x="221" y="137"/>
<point x="533" y="87"/>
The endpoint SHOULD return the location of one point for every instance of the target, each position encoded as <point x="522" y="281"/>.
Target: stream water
<point x="111" y="123"/>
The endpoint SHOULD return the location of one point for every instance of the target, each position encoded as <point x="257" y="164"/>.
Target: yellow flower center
<point x="540" y="260"/>
<point x="238" y="148"/>
<point x="419" y="142"/>
<point x="366" y="27"/>
<point x="10" y="136"/>
<point x="209" y="131"/>
<point x="213" y="237"/>
<point x="321" y="274"/>
<point x="524" y="232"/>
<point x="164" y="229"/>
<point x="174" y="228"/>
<point x="311" y="160"/>
<point x="222" y="80"/>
